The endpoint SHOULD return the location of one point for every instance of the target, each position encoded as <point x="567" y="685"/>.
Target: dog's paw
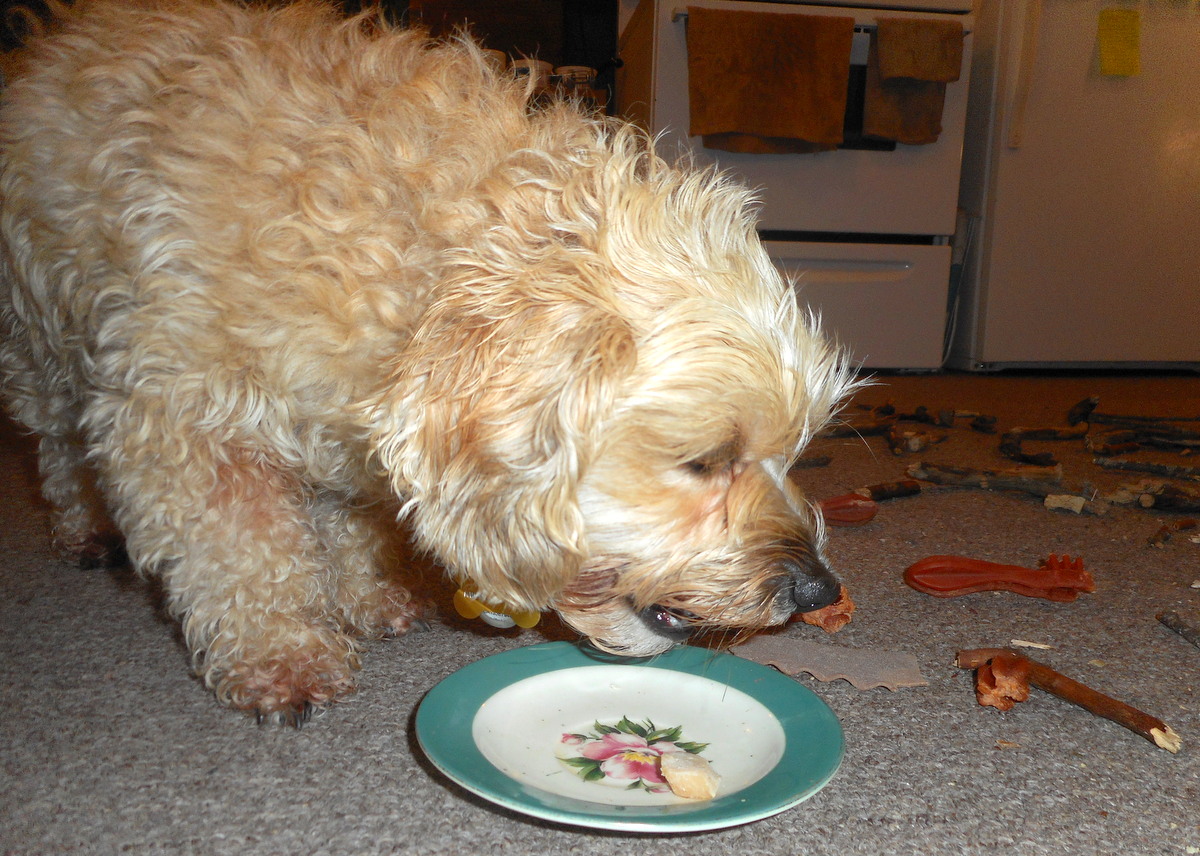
<point x="399" y="612"/>
<point x="414" y="615"/>
<point x="94" y="550"/>
<point x="295" y="717"/>
<point x="289" y="690"/>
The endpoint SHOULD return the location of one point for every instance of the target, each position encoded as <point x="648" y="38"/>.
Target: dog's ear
<point x="491" y="420"/>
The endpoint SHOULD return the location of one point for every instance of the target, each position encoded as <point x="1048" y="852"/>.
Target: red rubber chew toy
<point x="1058" y="578"/>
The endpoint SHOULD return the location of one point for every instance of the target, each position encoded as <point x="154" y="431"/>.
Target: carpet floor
<point x="109" y="745"/>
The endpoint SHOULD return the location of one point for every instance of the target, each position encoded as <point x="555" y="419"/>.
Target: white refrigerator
<point x="1081" y="188"/>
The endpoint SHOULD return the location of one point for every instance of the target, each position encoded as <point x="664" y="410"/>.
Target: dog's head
<point x="602" y="403"/>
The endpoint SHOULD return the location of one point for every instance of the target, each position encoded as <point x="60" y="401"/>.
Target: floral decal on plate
<point x="625" y="754"/>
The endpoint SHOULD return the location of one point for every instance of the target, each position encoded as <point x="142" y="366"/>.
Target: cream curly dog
<point x="272" y="278"/>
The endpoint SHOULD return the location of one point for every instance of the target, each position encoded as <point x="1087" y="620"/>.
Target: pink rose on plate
<point x="626" y="754"/>
<point x="628" y="757"/>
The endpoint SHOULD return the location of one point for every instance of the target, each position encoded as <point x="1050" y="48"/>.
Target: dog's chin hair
<point x="621" y="632"/>
<point x="590" y="606"/>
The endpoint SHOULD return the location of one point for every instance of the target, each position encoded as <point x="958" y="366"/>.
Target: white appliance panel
<point x="1088" y="250"/>
<point x="911" y="191"/>
<point x="881" y="294"/>
<point x="876" y="287"/>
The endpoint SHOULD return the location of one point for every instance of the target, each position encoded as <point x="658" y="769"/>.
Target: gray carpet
<point x="108" y="745"/>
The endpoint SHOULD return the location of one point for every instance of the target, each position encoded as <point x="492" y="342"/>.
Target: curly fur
<point x="271" y="277"/>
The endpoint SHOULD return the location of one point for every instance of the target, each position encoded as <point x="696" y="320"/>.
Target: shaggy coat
<point x="271" y="278"/>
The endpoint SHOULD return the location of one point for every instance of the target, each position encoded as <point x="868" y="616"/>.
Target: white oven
<point x="865" y="231"/>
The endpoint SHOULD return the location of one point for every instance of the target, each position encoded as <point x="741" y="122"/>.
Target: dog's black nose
<point x="814" y="587"/>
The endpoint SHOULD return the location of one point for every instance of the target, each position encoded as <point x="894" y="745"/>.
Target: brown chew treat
<point x="689" y="776"/>
<point x="849" y="509"/>
<point x="1003" y="677"/>
<point x="890" y="490"/>
<point x="1173" y="621"/>
<point x="1058" y="578"/>
<point x="1163" y="535"/>
<point x="1003" y="681"/>
<point x="834" y="617"/>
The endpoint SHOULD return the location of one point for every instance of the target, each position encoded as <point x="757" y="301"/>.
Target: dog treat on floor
<point x="1174" y="621"/>
<point x="1082" y="411"/>
<point x="850" y="509"/>
<point x="850" y="427"/>
<point x="1057" y="578"/>
<point x="1065" y="502"/>
<point x="689" y="776"/>
<point x="861" y="504"/>
<point x="904" y="442"/>
<point x="1168" y="530"/>
<point x="1003" y="678"/>
<point x="884" y="415"/>
<point x="889" y="490"/>
<point x="1159" y="495"/>
<point x="831" y="618"/>
<point x="1025" y="643"/>
<point x="1038" y="481"/>
<point x="1011" y="443"/>
<point x="1003" y="681"/>
<point x="811" y="462"/>
<point x="1172" y="471"/>
<point x="1112" y="443"/>
<point x="865" y="669"/>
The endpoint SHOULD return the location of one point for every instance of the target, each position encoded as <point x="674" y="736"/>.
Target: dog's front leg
<point x="231" y="534"/>
<point x="82" y="530"/>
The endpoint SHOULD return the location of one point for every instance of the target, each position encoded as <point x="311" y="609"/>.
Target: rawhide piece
<point x="865" y="669"/>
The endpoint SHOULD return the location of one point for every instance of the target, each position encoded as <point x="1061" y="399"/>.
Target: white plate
<point x="557" y="733"/>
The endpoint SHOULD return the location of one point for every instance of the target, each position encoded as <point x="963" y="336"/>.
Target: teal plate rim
<point x="812" y="753"/>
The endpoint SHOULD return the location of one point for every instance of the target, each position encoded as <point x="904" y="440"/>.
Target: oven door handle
<point x="833" y="271"/>
<point x="680" y="13"/>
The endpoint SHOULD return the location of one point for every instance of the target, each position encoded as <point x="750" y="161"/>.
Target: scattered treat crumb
<point x="689" y="776"/>
<point x="1065" y="502"/>
<point x="863" y="668"/>
<point x="1025" y="643"/>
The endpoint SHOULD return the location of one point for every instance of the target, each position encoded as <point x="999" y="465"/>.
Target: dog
<point x="276" y="281"/>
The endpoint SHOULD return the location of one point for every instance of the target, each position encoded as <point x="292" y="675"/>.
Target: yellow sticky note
<point x="1120" y="37"/>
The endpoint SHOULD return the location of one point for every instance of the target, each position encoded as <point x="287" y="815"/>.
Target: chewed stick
<point x="1016" y="671"/>
<point x="1174" y="621"/>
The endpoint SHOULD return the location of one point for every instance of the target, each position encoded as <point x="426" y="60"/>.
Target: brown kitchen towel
<point x="764" y="82"/>
<point x="923" y="49"/>
<point x="908" y="65"/>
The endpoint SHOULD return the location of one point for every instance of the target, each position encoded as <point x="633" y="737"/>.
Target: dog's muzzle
<point x="809" y="586"/>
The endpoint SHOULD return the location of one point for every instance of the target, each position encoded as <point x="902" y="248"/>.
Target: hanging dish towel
<point x="767" y="83"/>
<point x="909" y="63"/>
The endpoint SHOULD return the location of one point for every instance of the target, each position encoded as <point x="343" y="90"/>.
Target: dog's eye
<point x="701" y="467"/>
<point x="718" y="460"/>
